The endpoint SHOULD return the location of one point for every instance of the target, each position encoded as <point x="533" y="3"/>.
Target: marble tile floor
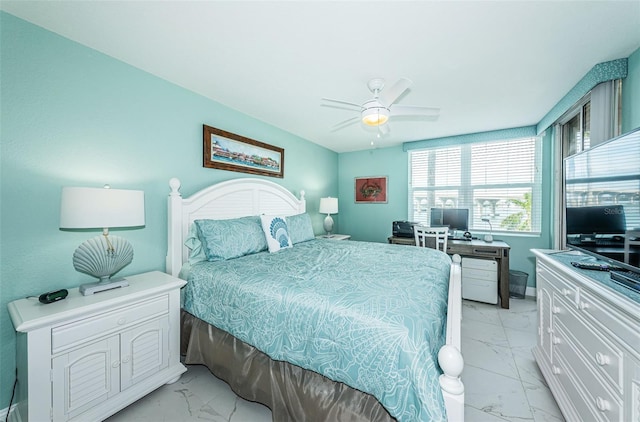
<point x="502" y="380"/>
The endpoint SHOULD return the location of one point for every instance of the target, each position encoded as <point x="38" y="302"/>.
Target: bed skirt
<point x="292" y="393"/>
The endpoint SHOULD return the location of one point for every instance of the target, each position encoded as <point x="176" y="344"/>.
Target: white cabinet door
<point x="545" y="328"/>
<point x="85" y="377"/>
<point x="144" y="351"/>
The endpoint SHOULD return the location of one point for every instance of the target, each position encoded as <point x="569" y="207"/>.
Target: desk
<point x="497" y="250"/>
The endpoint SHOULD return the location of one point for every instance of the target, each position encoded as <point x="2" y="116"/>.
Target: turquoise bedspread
<point x="369" y="315"/>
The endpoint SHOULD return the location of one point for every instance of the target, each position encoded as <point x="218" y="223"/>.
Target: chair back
<point x="431" y="237"/>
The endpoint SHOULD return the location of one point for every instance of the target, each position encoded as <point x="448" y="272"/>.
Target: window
<point x="576" y="133"/>
<point x="496" y="180"/>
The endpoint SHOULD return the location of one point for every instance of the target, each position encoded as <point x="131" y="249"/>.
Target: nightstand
<point x="335" y="237"/>
<point x="87" y="357"/>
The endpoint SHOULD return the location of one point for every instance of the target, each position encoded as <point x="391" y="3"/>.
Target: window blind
<point x="495" y="180"/>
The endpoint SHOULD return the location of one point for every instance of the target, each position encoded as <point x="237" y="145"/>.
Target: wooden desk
<point x="497" y="250"/>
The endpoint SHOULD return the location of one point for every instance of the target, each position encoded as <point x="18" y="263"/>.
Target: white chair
<point x="431" y="237"/>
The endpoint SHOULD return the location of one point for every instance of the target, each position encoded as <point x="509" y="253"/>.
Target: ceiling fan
<point x="377" y="111"/>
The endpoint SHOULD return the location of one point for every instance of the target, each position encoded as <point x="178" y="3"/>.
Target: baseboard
<point x="530" y="292"/>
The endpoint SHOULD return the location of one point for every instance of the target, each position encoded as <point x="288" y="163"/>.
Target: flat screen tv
<point x="602" y="201"/>
<point x="454" y="218"/>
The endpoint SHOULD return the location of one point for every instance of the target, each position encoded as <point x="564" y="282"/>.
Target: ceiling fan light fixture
<point x="375" y="116"/>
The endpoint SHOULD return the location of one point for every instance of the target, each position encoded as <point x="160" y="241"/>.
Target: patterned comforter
<point x="369" y="315"/>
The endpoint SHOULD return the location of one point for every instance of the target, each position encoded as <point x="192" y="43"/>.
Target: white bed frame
<point x="250" y="196"/>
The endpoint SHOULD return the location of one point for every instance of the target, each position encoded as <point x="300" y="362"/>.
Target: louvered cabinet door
<point x="85" y="377"/>
<point x="144" y="351"/>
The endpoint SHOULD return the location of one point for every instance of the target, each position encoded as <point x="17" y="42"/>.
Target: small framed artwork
<point x="371" y="190"/>
<point x="228" y="151"/>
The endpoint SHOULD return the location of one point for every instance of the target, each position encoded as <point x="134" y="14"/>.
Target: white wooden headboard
<point x="231" y="199"/>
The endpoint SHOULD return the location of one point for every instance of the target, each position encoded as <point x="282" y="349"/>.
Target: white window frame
<point x="466" y="189"/>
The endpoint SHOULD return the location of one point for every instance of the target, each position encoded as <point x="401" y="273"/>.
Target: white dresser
<point x="86" y="357"/>
<point x="588" y="346"/>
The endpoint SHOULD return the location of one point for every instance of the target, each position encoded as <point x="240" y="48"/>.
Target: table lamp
<point x="328" y="206"/>
<point x="101" y="256"/>
<point x="488" y="237"/>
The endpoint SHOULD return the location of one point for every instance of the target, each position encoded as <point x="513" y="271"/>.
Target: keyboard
<point x="609" y="242"/>
<point x="461" y="238"/>
<point x="627" y="278"/>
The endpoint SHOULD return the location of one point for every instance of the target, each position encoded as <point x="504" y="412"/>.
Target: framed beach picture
<point x="371" y="190"/>
<point x="228" y="151"/>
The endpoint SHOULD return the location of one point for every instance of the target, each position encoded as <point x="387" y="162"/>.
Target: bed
<point x="320" y="330"/>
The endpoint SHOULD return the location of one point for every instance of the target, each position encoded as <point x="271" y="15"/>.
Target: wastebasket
<point x="517" y="283"/>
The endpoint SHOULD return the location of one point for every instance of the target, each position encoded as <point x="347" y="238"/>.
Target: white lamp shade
<point x="375" y="116"/>
<point x="328" y="205"/>
<point x="87" y="208"/>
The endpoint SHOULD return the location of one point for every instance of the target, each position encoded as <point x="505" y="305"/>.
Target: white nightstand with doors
<point x="87" y="357"/>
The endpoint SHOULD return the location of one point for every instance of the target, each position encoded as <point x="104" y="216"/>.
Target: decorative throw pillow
<point x="300" y="228"/>
<point x="227" y="239"/>
<point x="196" y="251"/>
<point x="276" y="231"/>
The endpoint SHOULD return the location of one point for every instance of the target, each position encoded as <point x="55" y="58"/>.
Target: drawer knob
<point x="122" y="321"/>
<point x="126" y="359"/>
<point x="556" y="310"/>
<point x="584" y="306"/>
<point x="549" y="330"/>
<point x="566" y="292"/>
<point x="602" y="359"/>
<point x="115" y="364"/>
<point x="602" y="404"/>
<point x="555" y="370"/>
<point x="556" y="340"/>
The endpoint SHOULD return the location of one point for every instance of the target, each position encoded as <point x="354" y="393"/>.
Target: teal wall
<point x="74" y="117"/>
<point x="631" y="94"/>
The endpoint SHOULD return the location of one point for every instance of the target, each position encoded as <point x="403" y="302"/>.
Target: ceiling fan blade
<point x="345" y="123"/>
<point x="407" y="110"/>
<point x="341" y="104"/>
<point x="390" y="95"/>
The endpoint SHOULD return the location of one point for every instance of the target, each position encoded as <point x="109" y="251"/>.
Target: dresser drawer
<point x="602" y="355"/>
<point x="68" y="335"/>
<point x="556" y="282"/>
<point x="603" y="403"/>
<point x="619" y="324"/>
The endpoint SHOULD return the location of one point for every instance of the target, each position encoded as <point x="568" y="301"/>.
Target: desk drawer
<point x="78" y="332"/>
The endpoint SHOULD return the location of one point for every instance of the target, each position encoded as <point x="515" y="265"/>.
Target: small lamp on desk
<point x="104" y="255"/>
<point x="488" y="237"/>
<point x="328" y="206"/>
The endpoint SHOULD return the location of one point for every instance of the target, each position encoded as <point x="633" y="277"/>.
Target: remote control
<point x="53" y="296"/>
<point x="591" y="266"/>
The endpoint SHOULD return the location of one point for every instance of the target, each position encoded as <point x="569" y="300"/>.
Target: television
<point x="602" y="202"/>
<point x="454" y="218"/>
<point x="595" y="223"/>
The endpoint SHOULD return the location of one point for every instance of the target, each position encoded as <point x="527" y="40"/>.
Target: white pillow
<point x="276" y="231"/>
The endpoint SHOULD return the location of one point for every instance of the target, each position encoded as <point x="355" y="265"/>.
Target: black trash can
<point x="517" y="284"/>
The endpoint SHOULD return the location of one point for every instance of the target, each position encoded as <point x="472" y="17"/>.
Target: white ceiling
<point x="487" y="65"/>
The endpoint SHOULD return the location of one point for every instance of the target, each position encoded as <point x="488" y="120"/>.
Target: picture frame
<point x="371" y="190"/>
<point x="227" y="151"/>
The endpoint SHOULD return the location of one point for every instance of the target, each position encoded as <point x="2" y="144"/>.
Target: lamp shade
<point x="328" y="205"/>
<point x="375" y="114"/>
<point x="87" y="208"/>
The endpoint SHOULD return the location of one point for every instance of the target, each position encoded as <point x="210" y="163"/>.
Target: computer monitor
<point x="454" y="218"/>
<point x="604" y="219"/>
